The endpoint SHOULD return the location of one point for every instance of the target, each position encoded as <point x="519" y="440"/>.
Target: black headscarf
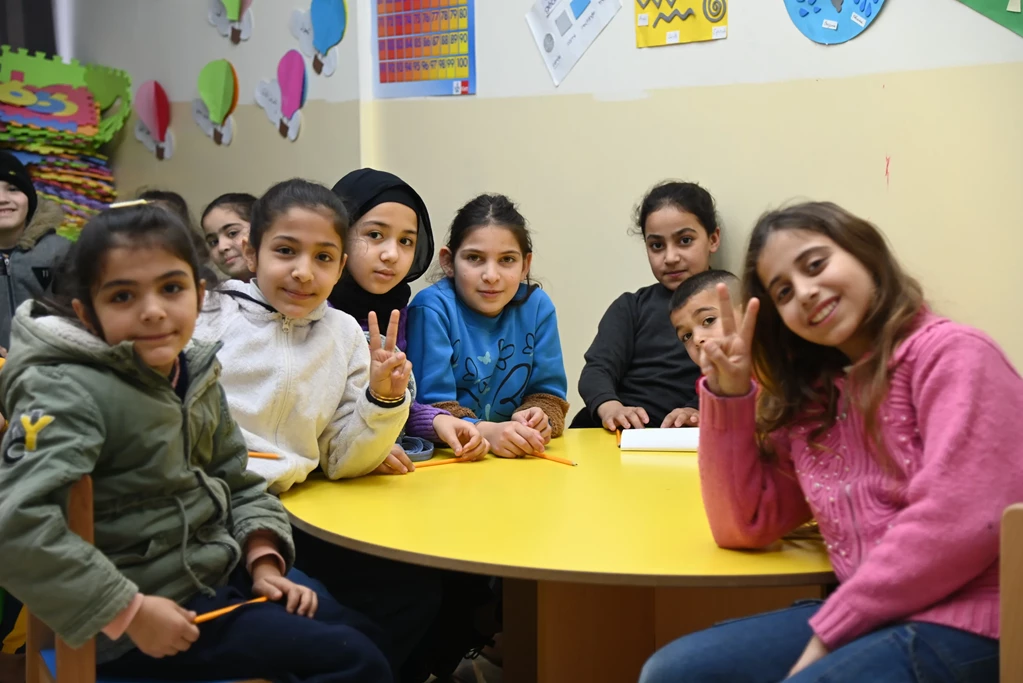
<point x="362" y="191"/>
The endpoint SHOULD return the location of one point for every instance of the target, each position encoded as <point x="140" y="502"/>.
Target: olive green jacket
<point x="173" y="501"/>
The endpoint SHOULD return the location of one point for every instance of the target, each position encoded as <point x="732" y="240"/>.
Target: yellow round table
<point x="620" y="536"/>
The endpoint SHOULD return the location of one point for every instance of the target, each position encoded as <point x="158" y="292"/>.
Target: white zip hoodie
<point x="297" y="387"/>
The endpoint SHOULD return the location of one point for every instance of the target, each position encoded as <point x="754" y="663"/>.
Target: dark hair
<point x="137" y="226"/>
<point x="798" y="376"/>
<point x="174" y="203"/>
<point x="296" y="193"/>
<point x="700" y="282"/>
<point x="170" y="200"/>
<point x="685" y="196"/>
<point x="498" y="210"/>
<point x="237" y="202"/>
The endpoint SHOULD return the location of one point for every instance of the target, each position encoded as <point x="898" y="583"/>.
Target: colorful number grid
<point x="425" y="40"/>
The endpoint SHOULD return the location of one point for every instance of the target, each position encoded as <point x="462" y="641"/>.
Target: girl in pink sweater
<point x="897" y="430"/>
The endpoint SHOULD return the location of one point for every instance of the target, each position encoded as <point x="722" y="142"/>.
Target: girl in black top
<point x="637" y="372"/>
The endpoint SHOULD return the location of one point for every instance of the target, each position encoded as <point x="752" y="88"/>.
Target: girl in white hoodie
<point x="300" y="379"/>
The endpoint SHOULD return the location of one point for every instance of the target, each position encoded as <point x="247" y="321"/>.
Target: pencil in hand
<point x="210" y="616"/>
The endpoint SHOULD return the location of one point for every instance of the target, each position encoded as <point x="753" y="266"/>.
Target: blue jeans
<point x="264" y="641"/>
<point x="763" y="648"/>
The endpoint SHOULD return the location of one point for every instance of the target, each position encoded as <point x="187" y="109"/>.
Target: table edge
<point x="564" y="575"/>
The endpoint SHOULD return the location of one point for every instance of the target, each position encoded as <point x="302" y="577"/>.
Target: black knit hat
<point x="14" y="172"/>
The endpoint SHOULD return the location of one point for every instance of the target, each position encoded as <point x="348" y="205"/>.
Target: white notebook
<point x="680" y="439"/>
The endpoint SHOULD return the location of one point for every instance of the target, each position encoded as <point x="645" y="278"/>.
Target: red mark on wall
<point x="887" y="171"/>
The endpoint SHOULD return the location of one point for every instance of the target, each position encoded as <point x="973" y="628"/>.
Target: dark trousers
<point x="338" y="645"/>
<point x="429" y="614"/>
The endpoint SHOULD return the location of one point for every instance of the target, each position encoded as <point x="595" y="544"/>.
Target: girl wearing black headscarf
<point x="389" y="245"/>
<point x="432" y="616"/>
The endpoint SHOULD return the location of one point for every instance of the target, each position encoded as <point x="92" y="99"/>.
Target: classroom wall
<point x="171" y="42"/>
<point x="927" y="94"/>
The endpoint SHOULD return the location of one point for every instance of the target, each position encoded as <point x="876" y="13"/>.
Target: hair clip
<point x="132" y="202"/>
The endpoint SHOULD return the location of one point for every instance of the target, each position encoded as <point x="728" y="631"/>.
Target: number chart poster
<point x="672" y="22"/>
<point x="425" y="48"/>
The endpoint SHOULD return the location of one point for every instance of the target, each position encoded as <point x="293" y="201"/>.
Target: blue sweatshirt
<point x="487" y="365"/>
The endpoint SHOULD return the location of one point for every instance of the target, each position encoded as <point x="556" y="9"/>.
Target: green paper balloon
<point x="234" y="9"/>
<point x="218" y="86"/>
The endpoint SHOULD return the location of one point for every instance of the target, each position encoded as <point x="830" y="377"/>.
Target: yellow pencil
<point x="209" y="616"/>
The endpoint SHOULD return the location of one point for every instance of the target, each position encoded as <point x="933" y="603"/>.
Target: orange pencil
<point x="209" y="616"/>
<point x="554" y="458"/>
<point x="434" y="463"/>
<point x="618" y="435"/>
<point x="264" y="456"/>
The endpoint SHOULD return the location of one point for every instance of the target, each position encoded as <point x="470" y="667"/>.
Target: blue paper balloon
<point x="329" y="19"/>
<point x="831" y="22"/>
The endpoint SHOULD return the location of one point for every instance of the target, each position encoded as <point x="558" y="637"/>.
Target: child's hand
<point x="463" y="437"/>
<point x="396" y="462"/>
<point x="389" y="370"/>
<point x="512" y="439"/>
<point x="615" y="416"/>
<point x="537" y="419"/>
<point x="268" y="582"/>
<point x="162" y="628"/>
<point x="727" y="362"/>
<point x="682" y="417"/>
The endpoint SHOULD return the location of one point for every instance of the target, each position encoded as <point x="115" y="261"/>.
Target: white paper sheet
<point x="682" y="439"/>
<point x="564" y="29"/>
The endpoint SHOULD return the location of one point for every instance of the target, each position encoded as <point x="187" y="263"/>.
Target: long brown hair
<point x="798" y="376"/>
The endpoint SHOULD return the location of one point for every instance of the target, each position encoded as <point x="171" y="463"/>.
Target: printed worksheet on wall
<point x="564" y="29"/>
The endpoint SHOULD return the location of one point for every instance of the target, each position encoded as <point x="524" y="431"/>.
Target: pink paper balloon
<point x="153" y="107"/>
<point x="291" y="78"/>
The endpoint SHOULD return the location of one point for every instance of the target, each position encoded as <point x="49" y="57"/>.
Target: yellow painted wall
<point x="952" y="208"/>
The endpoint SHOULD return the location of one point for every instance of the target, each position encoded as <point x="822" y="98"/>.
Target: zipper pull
<point x="287" y="324"/>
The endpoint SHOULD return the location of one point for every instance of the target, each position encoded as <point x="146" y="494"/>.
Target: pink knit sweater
<point x="919" y="543"/>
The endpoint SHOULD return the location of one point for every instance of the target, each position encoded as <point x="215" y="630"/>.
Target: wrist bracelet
<point x="382" y="401"/>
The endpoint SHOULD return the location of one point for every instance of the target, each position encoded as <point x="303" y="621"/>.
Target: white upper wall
<point x="171" y="40"/>
<point x="175" y="41"/>
<point x="763" y="45"/>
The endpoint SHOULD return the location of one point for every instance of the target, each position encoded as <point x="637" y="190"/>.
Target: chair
<point x="49" y="659"/>
<point x="1011" y="576"/>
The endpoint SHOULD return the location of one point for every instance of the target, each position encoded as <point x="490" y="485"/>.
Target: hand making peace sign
<point x="727" y="362"/>
<point x="389" y="370"/>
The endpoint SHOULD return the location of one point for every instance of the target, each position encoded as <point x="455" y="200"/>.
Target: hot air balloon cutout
<point x="283" y="97"/>
<point x="152" y="126"/>
<point x="232" y="19"/>
<point x="218" y="96"/>
<point x="319" y="31"/>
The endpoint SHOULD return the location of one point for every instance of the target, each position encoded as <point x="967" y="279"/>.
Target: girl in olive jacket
<point x="116" y="390"/>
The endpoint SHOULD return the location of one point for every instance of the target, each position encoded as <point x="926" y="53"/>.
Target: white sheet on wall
<point x="564" y="29"/>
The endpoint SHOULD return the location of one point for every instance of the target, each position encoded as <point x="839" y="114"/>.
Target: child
<point x="225" y="222"/>
<point x="298" y="374"/>
<point x="112" y="388"/>
<point x="176" y="204"/>
<point x="30" y="249"/>
<point x="637" y="373"/>
<point x="894" y="427"/>
<point x="696" y="315"/>
<point x="389" y="245"/>
<point x="485" y="339"/>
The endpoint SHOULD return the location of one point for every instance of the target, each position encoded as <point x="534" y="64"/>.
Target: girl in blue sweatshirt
<point x="484" y="340"/>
